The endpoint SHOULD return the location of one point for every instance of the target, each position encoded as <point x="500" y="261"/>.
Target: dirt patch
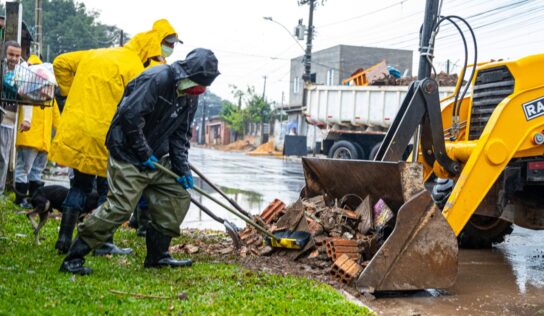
<point x="239" y="145"/>
<point x="216" y="245"/>
<point x="242" y="145"/>
<point x="268" y="148"/>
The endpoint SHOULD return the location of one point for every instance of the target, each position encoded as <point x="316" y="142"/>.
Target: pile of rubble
<point x="345" y="234"/>
<point x="443" y="79"/>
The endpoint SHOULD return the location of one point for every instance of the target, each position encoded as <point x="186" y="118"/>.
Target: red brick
<point x="336" y="247"/>
<point x="273" y="211"/>
<point x="345" y="269"/>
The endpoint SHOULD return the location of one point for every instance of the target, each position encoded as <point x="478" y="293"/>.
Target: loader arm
<point x="421" y="107"/>
<point x="508" y="132"/>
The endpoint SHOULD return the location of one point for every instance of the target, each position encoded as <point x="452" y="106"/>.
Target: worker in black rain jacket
<point x="152" y="124"/>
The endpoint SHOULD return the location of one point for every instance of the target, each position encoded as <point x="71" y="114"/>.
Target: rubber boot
<point x="143" y="221"/>
<point x="67" y="225"/>
<point x="73" y="263"/>
<point x="109" y="248"/>
<point x="21" y="192"/>
<point x="157" y="251"/>
<point x="133" y="221"/>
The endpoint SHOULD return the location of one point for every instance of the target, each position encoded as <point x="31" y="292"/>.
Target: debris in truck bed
<point x="442" y="78"/>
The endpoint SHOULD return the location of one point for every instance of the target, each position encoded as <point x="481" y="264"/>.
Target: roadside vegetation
<point x="250" y="108"/>
<point x="32" y="285"/>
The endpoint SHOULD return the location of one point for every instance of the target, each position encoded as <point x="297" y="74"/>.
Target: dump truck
<point x="354" y="119"/>
<point x="477" y="166"/>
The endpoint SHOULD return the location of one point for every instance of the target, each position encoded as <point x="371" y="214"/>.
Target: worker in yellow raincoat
<point x="94" y="82"/>
<point x="32" y="148"/>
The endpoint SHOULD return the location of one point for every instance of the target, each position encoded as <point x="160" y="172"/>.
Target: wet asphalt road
<point x="506" y="280"/>
<point x="253" y="182"/>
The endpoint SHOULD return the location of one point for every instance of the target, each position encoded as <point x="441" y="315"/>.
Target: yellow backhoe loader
<point x="479" y="168"/>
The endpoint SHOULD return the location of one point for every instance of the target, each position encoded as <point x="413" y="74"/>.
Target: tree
<point x="251" y="108"/>
<point x="69" y="26"/>
<point x="258" y="109"/>
<point x="235" y="118"/>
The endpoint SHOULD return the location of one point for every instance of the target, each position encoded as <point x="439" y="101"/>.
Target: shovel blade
<point x="420" y="253"/>
<point x="232" y="231"/>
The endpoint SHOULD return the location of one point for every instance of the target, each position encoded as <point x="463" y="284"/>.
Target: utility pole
<point x="122" y="39"/>
<point x="264" y="87"/>
<point x="308" y="54"/>
<point x="264" y="138"/>
<point x="203" y="124"/>
<point x="39" y="32"/>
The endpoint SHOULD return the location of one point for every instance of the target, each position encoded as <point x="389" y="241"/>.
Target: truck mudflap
<point x="421" y="250"/>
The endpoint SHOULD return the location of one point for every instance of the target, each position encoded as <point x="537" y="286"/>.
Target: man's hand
<point x="150" y="163"/>
<point x="186" y="180"/>
<point x="25" y="126"/>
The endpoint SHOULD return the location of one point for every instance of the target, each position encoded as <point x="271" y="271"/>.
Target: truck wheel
<point x="344" y="150"/>
<point x="374" y="151"/>
<point x="480" y="231"/>
<point x="483" y="231"/>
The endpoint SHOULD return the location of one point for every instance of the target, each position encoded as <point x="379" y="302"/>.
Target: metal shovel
<point x="218" y="190"/>
<point x="294" y="240"/>
<point x="230" y="227"/>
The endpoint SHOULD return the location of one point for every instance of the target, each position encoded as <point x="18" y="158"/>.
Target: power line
<point x="250" y="55"/>
<point x="469" y="19"/>
<point x="407" y="19"/>
<point x="485" y="25"/>
<point x="364" y="15"/>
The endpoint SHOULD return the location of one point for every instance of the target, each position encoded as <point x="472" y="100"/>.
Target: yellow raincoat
<point x="94" y="82"/>
<point x="43" y="121"/>
<point x="164" y="29"/>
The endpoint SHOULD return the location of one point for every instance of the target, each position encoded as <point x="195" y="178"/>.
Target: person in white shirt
<point x="9" y="107"/>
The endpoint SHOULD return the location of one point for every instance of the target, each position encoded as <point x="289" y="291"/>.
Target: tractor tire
<point x="481" y="231"/>
<point x="345" y="150"/>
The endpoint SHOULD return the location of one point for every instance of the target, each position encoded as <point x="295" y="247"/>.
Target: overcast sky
<point x="249" y="47"/>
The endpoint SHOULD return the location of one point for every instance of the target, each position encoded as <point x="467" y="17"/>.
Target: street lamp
<point x="269" y="18"/>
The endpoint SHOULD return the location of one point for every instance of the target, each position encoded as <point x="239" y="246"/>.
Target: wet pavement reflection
<point x="253" y="182"/>
<point x="506" y="280"/>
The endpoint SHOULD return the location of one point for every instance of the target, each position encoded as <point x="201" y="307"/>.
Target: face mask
<point x="166" y="51"/>
<point x="184" y="85"/>
<point x="195" y="90"/>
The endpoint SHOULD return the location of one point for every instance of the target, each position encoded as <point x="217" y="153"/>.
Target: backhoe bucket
<point x="421" y="251"/>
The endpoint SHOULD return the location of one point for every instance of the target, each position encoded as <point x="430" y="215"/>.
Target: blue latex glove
<point x="186" y="180"/>
<point x="149" y="163"/>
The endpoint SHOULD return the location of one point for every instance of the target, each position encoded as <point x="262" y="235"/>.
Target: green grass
<point x="31" y="284"/>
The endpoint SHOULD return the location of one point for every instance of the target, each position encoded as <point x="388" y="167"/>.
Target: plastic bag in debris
<point x="382" y="215"/>
<point x="36" y="82"/>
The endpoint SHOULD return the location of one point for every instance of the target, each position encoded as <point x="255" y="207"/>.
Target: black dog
<point x="49" y="198"/>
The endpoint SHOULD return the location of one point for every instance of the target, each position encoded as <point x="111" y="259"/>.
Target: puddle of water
<point x="524" y="251"/>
